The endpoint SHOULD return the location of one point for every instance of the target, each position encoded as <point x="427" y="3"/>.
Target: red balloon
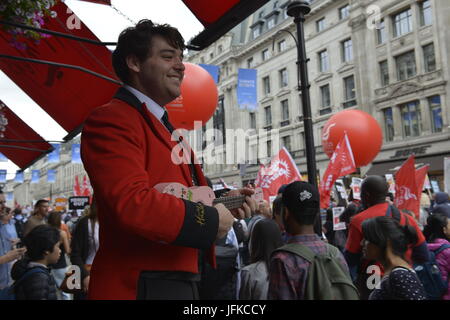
<point x="198" y="99"/>
<point x="363" y="131"/>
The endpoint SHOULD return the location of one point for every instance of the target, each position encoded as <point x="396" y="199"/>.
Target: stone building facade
<point x="388" y="58"/>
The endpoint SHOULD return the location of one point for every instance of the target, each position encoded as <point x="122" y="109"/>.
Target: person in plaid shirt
<point x="288" y="272"/>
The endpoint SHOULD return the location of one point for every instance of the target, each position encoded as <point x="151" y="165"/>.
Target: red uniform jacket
<point x="140" y="228"/>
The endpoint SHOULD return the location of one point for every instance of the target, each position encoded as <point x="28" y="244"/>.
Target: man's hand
<point x="248" y="208"/>
<point x="226" y="220"/>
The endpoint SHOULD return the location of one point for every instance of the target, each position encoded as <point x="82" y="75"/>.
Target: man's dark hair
<point x="40" y="239"/>
<point x="381" y="230"/>
<point x="137" y="41"/>
<point x="39" y="202"/>
<point x="375" y="188"/>
<point x="435" y="227"/>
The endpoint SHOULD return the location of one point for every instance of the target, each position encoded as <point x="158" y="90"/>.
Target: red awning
<point x="219" y="18"/>
<point x="66" y="94"/>
<point x="108" y="2"/>
<point x="23" y="154"/>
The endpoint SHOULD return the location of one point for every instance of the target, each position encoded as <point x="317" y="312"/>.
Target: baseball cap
<point x="281" y="189"/>
<point x="301" y="196"/>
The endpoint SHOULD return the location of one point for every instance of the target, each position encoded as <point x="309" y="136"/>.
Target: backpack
<point x="327" y="279"/>
<point x="8" y="292"/>
<point x="430" y="275"/>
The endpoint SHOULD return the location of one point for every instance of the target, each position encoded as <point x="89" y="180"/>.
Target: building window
<point x="388" y="124"/>
<point x="202" y="60"/>
<point x="285" y="110"/>
<point x="402" y="23"/>
<point x="429" y="58"/>
<point x="436" y="113"/>
<point x="211" y="55"/>
<point x="344" y="12"/>
<point x="350" y="95"/>
<point x="271" y="22"/>
<point x="266" y="85"/>
<point x="381" y="32"/>
<point x="325" y="96"/>
<point x="283" y="78"/>
<point x="219" y="123"/>
<point x="347" y="50"/>
<point x="426" y="15"/>
<point x="256" y="31"/>
<point x="320" y="24"/>
<point x="281" y="45"/>
<point x="268" y="115"/>
<point x="287" y="143"/>
<point x="265" y="54"/>
<point x="220" y="48"/>
<point x="269" y="148"/>
<point x="411" y="119"/>
<point x="252" y="120"/>
<point x="323" y="61"/>
<point x="406" y="65"/>
<point x="250" y="63"/>
<point x="384" y="73"/>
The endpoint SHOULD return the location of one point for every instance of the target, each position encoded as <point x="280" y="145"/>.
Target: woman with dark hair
<point x="437" y="233"/>
<point x="84" y="246"/>
<point x="386" y="241"/>
<point x="32" y="275"/>
<point x="266" y="237"/>
<point x="59" y="268"/>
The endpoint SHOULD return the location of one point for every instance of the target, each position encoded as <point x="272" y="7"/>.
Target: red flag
<point x="76" y="187"/>
<point x="406" y="187"/>
<point x="85" y="191"/>
<point x="282" y="170"/>
<point x="341" y="164"/>
<point x="421" y="174"/>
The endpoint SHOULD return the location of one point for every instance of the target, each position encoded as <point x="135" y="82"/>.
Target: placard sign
<point x="78" y="203"/>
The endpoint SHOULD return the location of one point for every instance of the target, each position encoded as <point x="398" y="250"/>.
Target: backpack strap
<point x="300" y="250"/>
<point x="395" y="213"/>
<point x="441" y="248"/>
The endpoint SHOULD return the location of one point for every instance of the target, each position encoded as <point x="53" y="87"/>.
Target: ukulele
<point x="205" y="195"/>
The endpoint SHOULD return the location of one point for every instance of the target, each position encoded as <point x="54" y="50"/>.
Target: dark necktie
<point x="165" y="121"/>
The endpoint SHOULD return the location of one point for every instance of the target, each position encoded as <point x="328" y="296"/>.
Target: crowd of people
<point x="38" y="247"/>
<point x="158" y="246"/>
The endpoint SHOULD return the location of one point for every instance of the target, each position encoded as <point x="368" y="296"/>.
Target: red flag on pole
<point x="406" y="187"/>
<point x="282" y="170"/>
<point x="85" y="191"/>
<point x="76" y="187"/>
<point x="341" y="164"/>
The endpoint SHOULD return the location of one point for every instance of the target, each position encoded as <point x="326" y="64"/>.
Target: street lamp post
<point x="298" y="10"/>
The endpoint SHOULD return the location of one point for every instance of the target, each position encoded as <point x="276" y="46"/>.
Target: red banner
<point x="76" y="187"/>
<point x="282" y="170"/>
<point x="85" y="191"/>
<point x="406" y="188"/>
<point x="341" y="164"/>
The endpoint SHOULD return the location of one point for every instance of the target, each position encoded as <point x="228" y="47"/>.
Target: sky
<point x="106" y="23"/>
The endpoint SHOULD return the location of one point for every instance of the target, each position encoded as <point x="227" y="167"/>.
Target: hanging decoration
<point x="30" y="13"/>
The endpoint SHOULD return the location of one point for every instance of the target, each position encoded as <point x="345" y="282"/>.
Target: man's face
<point x="43" y="209"/>
<point x="160" y="75"/>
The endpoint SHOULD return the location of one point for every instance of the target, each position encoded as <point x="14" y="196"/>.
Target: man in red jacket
<point x="149" y="241"/>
